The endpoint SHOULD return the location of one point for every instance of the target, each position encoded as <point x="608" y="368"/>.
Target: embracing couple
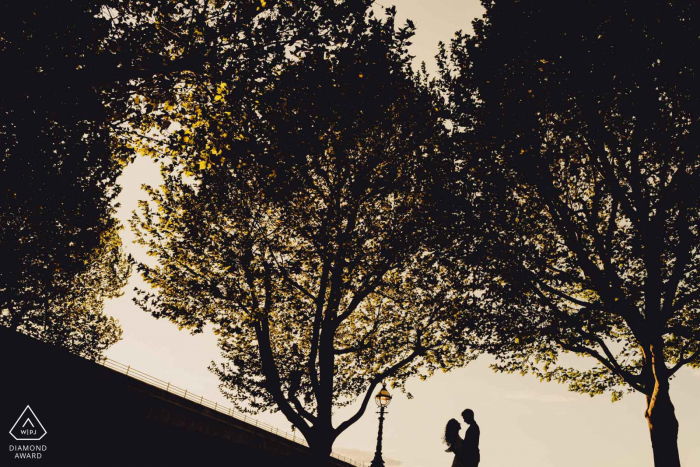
<point x="466" y="450"/>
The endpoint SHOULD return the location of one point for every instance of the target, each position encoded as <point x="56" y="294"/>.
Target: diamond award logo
<point x="28" y="427"/>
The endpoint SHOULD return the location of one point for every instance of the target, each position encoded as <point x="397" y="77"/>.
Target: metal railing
<point x="201" y="400"/>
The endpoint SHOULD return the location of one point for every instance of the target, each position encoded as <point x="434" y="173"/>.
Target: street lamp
<point x="383" y="398"/>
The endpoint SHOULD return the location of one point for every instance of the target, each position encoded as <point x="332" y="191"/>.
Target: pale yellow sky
<point x="523" y="422"/>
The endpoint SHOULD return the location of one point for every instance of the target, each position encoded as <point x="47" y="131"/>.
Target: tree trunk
<point x="663" y="426"/>
<point x="321" y="447"/>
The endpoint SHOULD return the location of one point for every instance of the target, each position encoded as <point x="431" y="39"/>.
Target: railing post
<point x="127" y="369"/>
<point x="168" y="388"/>
<point x="201" y="399"/>
<point x="185" y="396"/>
<point x="216" y="406"/>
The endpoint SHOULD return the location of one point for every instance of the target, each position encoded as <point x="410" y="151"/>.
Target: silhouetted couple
<point x="466" y="450"/>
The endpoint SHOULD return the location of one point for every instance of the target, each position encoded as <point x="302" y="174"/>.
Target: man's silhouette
<point x="470" y="448"/>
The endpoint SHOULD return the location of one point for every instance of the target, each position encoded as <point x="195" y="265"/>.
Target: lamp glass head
<point x="383" y="398"/>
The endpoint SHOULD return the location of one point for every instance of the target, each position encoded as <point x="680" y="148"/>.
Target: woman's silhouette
<point x="453" y="441"/>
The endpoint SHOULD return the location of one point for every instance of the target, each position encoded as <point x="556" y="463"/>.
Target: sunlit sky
<point x="523" y="422"/>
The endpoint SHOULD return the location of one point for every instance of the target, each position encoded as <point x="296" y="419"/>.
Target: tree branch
<point x="419" y="350"/>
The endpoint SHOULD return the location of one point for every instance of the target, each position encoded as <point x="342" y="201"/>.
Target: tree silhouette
<point x="301" y="233"/>
<point x="61" y="253"/>
<point x="579" y="120"/>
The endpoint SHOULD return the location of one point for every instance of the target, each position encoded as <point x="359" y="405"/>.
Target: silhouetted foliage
<point x="75" y="72"/>
<point x="579" y="119"/>
<point x="61" y="252"/>
<point x="299" y="227"/>
<point x="175" y="60"/>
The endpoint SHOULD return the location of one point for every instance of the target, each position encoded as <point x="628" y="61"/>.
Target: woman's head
<point x="451" y="432"/>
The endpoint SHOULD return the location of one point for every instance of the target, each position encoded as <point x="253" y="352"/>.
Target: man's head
<point x="468" y="416"/>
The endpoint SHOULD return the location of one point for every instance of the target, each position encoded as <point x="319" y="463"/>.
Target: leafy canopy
<point x="60" y="248"/>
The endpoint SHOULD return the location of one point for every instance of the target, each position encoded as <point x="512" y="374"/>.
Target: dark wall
<point x="94" y="416"/>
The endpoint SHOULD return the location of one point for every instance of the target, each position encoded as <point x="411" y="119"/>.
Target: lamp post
<point x="383" y="398"/>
